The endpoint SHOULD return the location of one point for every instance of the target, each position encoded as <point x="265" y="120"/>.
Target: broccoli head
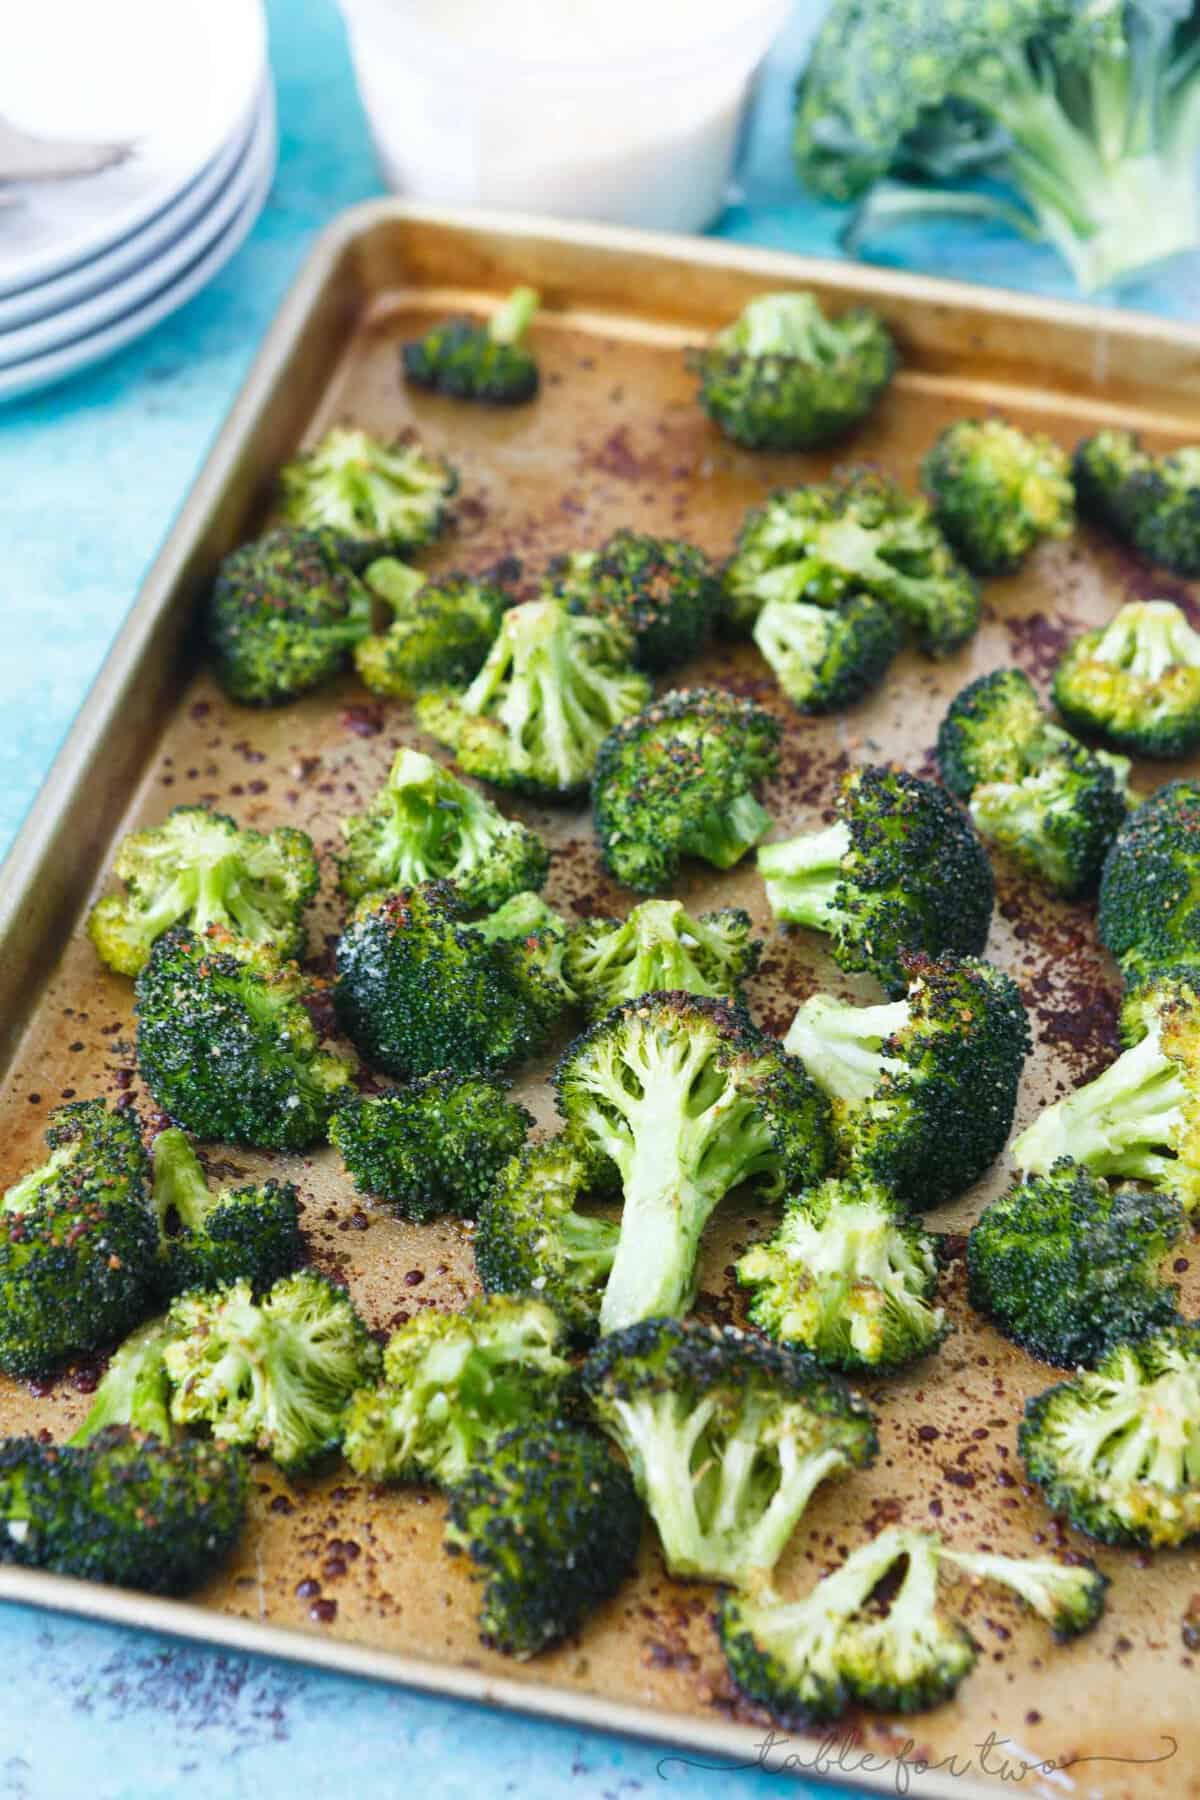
<point x="230" y="1234"/>
<point x="687" y="1100"/>
<point x="660" y="946"/>
<point x="200" y="868"/>
<point x="373" y="499"/>
<point x="1150" y="501"/>
<point x="784" y="377"/>
<point x="226" y="1046"/>
<point x="728" y="1437"/>
<point x="439" y="633"/>
<point x="827" y="657"/>
<point x="1135" y="682"/>
<point x="900" y="871"/>
<point x="997" y="492"/>
<point x="662" y="593"/>
<point x="1149" y="915"/>
<point x="532" y="1238"/>
<point x="679" y="780"/>
<point x="470" y="360"/>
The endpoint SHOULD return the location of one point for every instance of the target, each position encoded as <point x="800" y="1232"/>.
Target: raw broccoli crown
<point x="782" y="376"/>
<point x="686" y="1099"/>
<point x="202" y="868"/>
<point x="900" y="872"/>
<point x="827" y="657"/>
<point x="662" y="593"/>
<point x="440" y="631"/>
<point x="273" y="1374"/>
<point x="228" y="1234"/>
<point x="1149" y="915"/>
<point x="1116" y="1449"/>
<point x="1070" y="1597"/>
<point x="531" y="1237"/>
<point x="553" y="684"/>
<point x="283" y="617"/>
<point x="453" y="1384"/>
<point x="426" y="825"/>
<point x="924" y="1089"/>
<point x="1135" y="682"/>
<point x="371" y="498"/>
<point x="226" y="1046"/>
<point x="78" y="1244"/>
<point x="997" y="491"/>
<point x="727" y="1437"/>
<point x="1067" y="1267"/>
<point x="1151" y="500"/>
<point x="679" y="780"/>
<point x="433" y="1148"/>
<point x="471" y="359"/>
<point x="551" y="1526"/>
<point x="659" y="946"/>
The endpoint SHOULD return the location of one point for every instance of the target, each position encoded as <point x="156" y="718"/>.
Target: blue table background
<point x="91" y="474"/>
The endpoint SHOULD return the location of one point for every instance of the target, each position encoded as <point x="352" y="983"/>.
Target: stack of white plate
<point x="88" y="265"/>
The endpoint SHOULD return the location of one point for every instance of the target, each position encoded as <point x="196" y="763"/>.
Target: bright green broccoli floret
<point x="659" y="946"/>
<point x="536" y="940"/>
<point x="228" y="1234"/>
<point x="827" y="657"/>
<point x="687" y="1100"/>
<point x="440" y="631"/>
<point x="78" y="1243"/>
<point x="553" y="685"/>
<point x="531" y="1238"/>
<point x="473" y="361"/>
<point x="678" y="780"/>
<point x="901" y="871"/>
<point x="432" y="1148"/>
<point x="1150" y="889"/>
<point x="1135" y="682"/>
<point x="997" y="492"/>
<point x="924" y="1089"/>
<point x="1151" y="501"/>
<point x="201" y="868"/>
<point x="453" y="1384"/>
<point x="848" y="1275"/>
<point x="728" y="1437"/>
<point x="784" y="377"/>
<point x="1070" y="1597"/>
<point x="662" y="593"/>
<point x="226" y="1046"/>
<point x="272" y="1374"/>
<point x="551" y="1525"/>
<point x="426" y="825"/>
<point x="373" y="499"/>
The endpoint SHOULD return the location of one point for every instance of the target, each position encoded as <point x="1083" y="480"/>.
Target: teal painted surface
<point x="90" y="477"/>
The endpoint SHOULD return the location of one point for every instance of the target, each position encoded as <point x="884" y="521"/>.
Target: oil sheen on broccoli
<point x="659" y="945"/>
<point x="997" y="492"/>
<point x="373" y="499"/>
<point x="1150" y="501"/>
<point x="470" y="360"/>
<point x="662" y="593"/>
<point x="432" y="1148"/>
<point x="1135" y="682"/>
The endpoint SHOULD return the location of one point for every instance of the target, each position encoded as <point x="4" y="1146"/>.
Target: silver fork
<point x="26" y="156"/>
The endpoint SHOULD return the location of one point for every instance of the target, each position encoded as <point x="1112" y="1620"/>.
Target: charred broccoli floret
<point x="453" y="1384"/>
<point x="1149" y="915"/>
<point x="848" y="1275"/>
<point x="784" y="377"/>
<point x="553" y="685"/>
<point x="551" y="1525"/>
<point x="78" y="1243"/>
<point x="470" y="360"/>
<point x="273" y="1374"/>
<point x="432" y="1148"/>
<point x="686" y="1099"/>
<point x="1070" y="1597"/>
<point x="532" y="1238"/>
<point x="1151" y="501"/>
<point x="998" y="492"/>
<point x="900" y="871"/>
<point x="678" y="780"/>
<point x="1117" y="1448"/>
<point x="226" y="1046"/>
<point x="230" y="1234"/>
<point x="440" y="631"/>
<point x="660" y="946"/>
<point x="827" y="657"/>
<point x="662" y="593"/>
<point x="728" y="1437"/>
<point x="373" y="499"/>
<point x="1135" y="682"/>
<point x="924" y="1089"/>
<point x="201" y="868"/>
<point x="426" y="825"/>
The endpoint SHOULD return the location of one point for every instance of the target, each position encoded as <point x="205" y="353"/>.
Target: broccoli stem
<point x="662" y="1221"/>
<point x="787" y="325"/>
<point x="135" y="1389"/>
<point x="179" y="1179"/>
<point x="1117" y="1124"/>
<point x="840" y="1044"/>
<point x="510" y="321"/>
<point x="725" y="838"/>
<point x="1148" y="640"/>
<point x="804" y="876"/>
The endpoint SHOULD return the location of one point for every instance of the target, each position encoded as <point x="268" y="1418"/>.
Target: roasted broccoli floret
<point x="226" y="1046"/>
<point x="432" y="1148"/>
<point x="373" y="499"/>
<point x="848" y="1275"/>
<point x="924" y="1089"/>
<point x="662" y="593"/>
<point x="426" y="825"/>
<point x="1070" y="1597"/>
<point x="273" y="1375"/>
<point x="227" y="1234"/>
<point x="1051" y="804"/>
<point x="859" y="535"/>
<point x="201" y="868"/>
<point x="728" y="1437"/>
<point x="78" y="1242"/>
<point x="899" y="871"/>
<point x="1116" y="1449"/>
<point x="532" y="1238"/>
<point x="551" y="1525"/>
<point x="1151" y="501"/>
<point x="474" y="361"/>
<point x="784" y="377"/>
<point x="678" y="780"/>
<point x="453" y="1384"/>
<point x="440" y="631"/>
<point x="1135" y="682"/>
<point x="536" y="937"/>
<point x="284" y="615"/>
<point x="1149" y="915"/>
<point x="659" y="946"/>
<point x="686" y="1099"/>
<point x="827" y="657"/>
<point x="553" y="685"/>
<point x="997" y="492"/>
